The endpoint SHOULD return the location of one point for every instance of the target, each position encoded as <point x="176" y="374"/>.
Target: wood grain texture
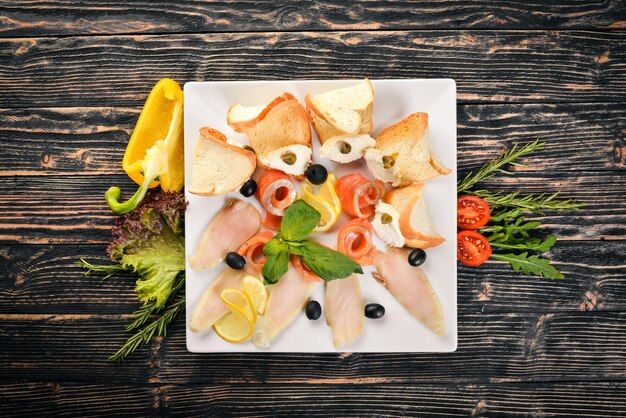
<point x="51" y="209"/>
<point x="30" y="18"/>
<point x="524" y="347"/>
<point x="44" y="279"/>
<point x="597" y="399"/>
<point x="488" y="66"/>
<point x="91" y="141"/>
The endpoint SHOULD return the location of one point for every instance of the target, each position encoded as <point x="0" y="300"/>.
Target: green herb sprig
<point x="507" y="229"/>
<point x="298" y="222"/>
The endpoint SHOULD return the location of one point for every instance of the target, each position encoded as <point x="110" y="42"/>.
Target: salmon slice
<point x="286" y="301"/>
<point x="410" y="286"/>
<point x="252" y="250"/>
<point x="210" y="308"/>
<point x="355" y="241"/>
<point x="275" y="191"/>
<point x="228" y="230"/>
<point x="358" y="195"/>
<point x="344" y="310"/>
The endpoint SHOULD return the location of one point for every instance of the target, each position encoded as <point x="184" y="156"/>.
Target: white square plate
<point x="206" y="104"/>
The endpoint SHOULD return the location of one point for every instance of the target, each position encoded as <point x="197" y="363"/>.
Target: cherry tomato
<point x="472" y="249"/>
<point x="472" y="212"/>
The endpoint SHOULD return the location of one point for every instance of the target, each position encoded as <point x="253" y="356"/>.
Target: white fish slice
<point x="233" y="225"/>
<point x="410" y="286"/>
<point x="344" y="310"/>
<point x="210" y="308"/>
<point x="286" y="301"/>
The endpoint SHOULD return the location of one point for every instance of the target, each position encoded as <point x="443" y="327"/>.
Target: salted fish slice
<point x="233" y="225"/>
<point x="344" y="310"/>
<point x="210" y="307"/>
<point x="286" y="301"/>
<point x="410" y="286"/>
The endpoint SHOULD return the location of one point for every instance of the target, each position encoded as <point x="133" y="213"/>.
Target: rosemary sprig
<point x="529" y="203"/>
<point x="107" y="269"/>
<point x="142" y="315"/>
<point x="158" y="326"/>
<point x="508" y="157"/>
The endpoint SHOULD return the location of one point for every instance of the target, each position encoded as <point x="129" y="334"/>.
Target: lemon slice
<point x="238" y="299"/>
<point x="257" y="293"/>
<point x="234" y="327"/>
<point x="325" y="200"/>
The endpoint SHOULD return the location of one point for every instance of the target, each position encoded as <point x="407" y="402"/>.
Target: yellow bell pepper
<point x="154" y="154"/>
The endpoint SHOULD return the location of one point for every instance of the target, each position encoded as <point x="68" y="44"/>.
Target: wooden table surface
<point x="73" y="77"/>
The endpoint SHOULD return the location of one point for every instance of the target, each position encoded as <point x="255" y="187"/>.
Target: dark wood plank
<point x="431" y="399"/>
<point x="527" y="347"/>
<point x="53" y="209"/>
<point x="30" y="18"/>
<point x="91" y="141"/>
<point x="37" y="279"/>
<point x="597" y="399"/>
<point x="489" y="66"/>
<point x="54" y="399"/>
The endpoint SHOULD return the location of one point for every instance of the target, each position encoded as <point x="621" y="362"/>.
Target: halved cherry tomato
<point x="472" y="249"/>
<point x="472" y="212"/>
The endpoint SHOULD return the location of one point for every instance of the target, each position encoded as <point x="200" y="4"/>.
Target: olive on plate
<point x="235" y="261"/>
<point x="316" y="174"/>
<point x="248" y="188"/>
<point x="313" y="310"/>
<point x="374" y="310"/>
<point x="417" y="257"/>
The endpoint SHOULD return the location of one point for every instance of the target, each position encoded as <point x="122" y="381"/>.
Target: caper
<point x="289" y="158"/>
<point x="388" y="161"/>
<point x="248" y="148"/>
<point x="386" y="219"/>
<point x="344" y="147"/>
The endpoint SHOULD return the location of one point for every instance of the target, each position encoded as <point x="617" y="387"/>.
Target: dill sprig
<point x="529" y="203"/>
<point x="489" y="169"/>
<point x="158" y="326"/>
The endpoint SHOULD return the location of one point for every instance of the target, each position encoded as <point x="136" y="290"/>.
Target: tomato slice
<point x="472" y="212"/>
<point x="472" y="248"/>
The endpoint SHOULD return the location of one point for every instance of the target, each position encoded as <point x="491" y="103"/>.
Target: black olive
<point x="248" y="188"/>
<point x="317" y="174"/>
<point x="417" y="257"/>
<point x="374" y="311"/>
<point x="235" y="261"/>
<point x="313" y="310"/>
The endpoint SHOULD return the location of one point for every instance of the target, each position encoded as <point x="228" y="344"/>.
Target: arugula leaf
<point x="299" y="220"/>
<point x="326" y="263"/>
<point x="275" y="266"/>
<point x="530" y="265"/>
<point x="533" y="244"/>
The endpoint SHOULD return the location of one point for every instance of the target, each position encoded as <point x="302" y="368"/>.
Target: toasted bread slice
<point x="409" y="139"/>
<point x="219" y="167"/>
<point x="243" y="118"/>
<point x="414" y="221"/>
<point x="342" y="111"/>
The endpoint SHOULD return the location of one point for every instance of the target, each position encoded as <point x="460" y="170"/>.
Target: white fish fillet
<point x="344" y="309"/>
<point x="287" y="298"/>
<point x="410" y="286"/>
<point x="210" y="308"/>
<point x="233" y="225"/>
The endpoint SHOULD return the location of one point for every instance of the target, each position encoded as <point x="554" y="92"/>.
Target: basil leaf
<point x="299" y="221"/>
<point x="326" y="263"/>
<point x="276" y="265"/>
<point x="274" y="246"/>
<point x="532" y="265"/>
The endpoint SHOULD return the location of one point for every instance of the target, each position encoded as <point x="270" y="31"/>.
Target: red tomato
<point x="472" y="249"/>
<point x="472" y="212"/>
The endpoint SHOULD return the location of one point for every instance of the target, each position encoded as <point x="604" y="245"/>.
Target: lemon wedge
<point x="234" y="327"/>
<point x="257" y="292"/>
<point x="325" y="200"/>
<point x="237" y="325"/>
